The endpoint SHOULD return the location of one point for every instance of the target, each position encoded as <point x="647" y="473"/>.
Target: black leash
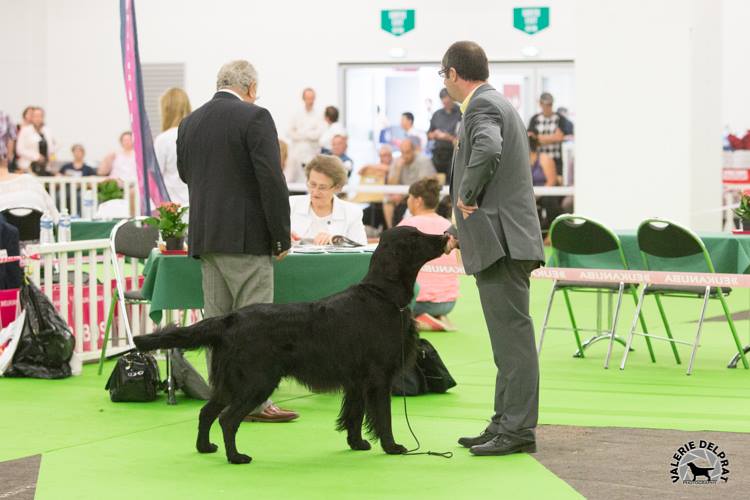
<point x="447" y="454"/>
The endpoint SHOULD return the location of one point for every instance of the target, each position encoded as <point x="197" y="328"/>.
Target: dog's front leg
<point x="350" y="418"/>
<point x="379" y="415"/>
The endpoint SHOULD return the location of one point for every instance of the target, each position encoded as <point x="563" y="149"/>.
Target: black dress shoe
<point x="468" y="442"/>
<point x="502" y="444"/>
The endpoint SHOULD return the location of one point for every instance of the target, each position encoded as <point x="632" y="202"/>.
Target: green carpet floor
<point x="96" y="449"/>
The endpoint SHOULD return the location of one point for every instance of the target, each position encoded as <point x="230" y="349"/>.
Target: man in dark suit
<point x="228" y="155"/>
<point x="500" y="240"/>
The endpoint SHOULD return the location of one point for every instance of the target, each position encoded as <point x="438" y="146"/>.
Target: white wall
<point x="736" y="66"/>
<point x="648" y="98"/>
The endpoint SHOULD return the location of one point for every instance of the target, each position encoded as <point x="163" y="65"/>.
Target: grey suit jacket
<point x="491" y="169"/>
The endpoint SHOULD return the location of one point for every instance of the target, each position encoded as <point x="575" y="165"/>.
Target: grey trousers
<point x="232" y="281"/>
<point x="504" y="293"/>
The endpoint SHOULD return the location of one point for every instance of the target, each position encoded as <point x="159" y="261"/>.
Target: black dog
<point x="355" y="340"/>
<point x="700" y="471"/>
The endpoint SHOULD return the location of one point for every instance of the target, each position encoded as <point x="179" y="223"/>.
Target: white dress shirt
<point x="344" y="220"/>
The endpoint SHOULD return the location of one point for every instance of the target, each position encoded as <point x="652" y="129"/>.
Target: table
<point x="91" y="229"/>
<point x="173" y="282"/>
<point x="730" y="253"/>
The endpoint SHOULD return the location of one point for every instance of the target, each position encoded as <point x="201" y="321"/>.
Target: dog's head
<point x="400" y="255"/>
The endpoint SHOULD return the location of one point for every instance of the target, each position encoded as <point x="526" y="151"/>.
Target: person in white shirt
<point x="306" y="128"/>
<point x="35" y="144"/>
<point x="121" y="165"/>
<point x="331" y="116"/>
<point x="319" y="216"/>
<point x="417" y="137"/>
<point x="175" y="106"/>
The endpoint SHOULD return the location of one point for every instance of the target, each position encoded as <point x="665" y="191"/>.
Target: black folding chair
<point x="26" y="220"/>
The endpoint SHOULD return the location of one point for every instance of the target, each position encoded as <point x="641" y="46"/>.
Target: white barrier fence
<point x="404" y="189"/>
<point x="85" y="300"/>
<point x="67" y="192"/>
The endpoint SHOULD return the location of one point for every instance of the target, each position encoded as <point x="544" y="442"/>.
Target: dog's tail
<point x="204" y="333"/>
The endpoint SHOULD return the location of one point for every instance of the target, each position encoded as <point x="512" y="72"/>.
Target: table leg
<point x="171" y="399"/>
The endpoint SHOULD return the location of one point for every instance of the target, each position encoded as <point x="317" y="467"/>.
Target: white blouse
<point x="165" y="147"/>
<point x="344" y="220"/>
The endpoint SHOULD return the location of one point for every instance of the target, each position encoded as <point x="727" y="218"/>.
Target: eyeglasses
<point x="318" y="187"/>
<point x="443" y="73"/>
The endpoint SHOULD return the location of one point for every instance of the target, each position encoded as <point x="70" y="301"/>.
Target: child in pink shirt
<point x="438" y="290"/>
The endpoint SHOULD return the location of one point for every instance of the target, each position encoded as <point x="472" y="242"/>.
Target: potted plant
<point x="170" y="224"/>
<point x="743" y="212"/>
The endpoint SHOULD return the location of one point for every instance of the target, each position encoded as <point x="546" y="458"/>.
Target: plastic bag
<point x="9" y="337"/>
<point x="46" y="344"/>
<point x="187" y="378"/>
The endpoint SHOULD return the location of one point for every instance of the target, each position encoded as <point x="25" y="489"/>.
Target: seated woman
<point x="438" y="291"/>
<point x="320" y="215"/>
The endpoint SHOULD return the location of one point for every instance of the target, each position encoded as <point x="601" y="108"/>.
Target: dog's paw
<point x="207" y="448"/>
<point x="239" y="458"/>
<point x="395" y="449"/>
<point x="361" y="445"/>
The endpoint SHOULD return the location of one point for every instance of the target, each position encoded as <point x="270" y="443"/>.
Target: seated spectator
<point x="375" y="174"/>
<point x="544" y="173"/>
<point x="417" y="137"/>
<point x="438" y="291"/>
<point x="319" y="216"/>
<point x="334" y="128"/>
<point x="339" y="145"/>
<point x="121" y="165"/>
<point x="78" y="167"/>
<point x="408" y="169"/>
<point x="35" y="147"/>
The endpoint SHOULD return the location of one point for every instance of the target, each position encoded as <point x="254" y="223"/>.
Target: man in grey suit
<point x="501" y="243"/>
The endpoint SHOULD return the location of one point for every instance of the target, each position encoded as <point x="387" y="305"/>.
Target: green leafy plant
<point x="109" y="190"/>
<point x="169" y="221"/>
<point x="743" y="211"/>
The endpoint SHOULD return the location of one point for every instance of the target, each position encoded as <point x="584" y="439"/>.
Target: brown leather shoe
<point x="272" y="414"/>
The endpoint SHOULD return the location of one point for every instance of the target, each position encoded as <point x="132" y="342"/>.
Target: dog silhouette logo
<point x="701" y="462"/>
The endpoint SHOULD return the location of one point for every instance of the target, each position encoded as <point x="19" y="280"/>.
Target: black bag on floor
<point x="46" y="344"/>
<point x="187" y="378"/>
<point x="135" y="378"/>
<point x="429" y="374"/>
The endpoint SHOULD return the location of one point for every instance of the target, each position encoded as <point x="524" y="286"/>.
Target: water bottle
<point x="87" y="205"/>
<point x="63" y="227"/>
<point x="46" y="226"/>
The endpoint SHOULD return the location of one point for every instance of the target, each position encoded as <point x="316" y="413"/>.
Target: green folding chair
<point x="658" y="238"/>
<point x="577" y="235"/>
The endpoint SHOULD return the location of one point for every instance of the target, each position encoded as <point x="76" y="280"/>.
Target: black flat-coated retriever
<point x="354" y="340"/>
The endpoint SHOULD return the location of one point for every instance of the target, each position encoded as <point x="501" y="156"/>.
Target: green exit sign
<point x="397" y="21"/>
<point x="531" y="20"/>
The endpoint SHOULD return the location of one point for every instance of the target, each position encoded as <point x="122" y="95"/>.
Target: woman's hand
<point x="294" y="236"/>
<point x="323" y="238"/>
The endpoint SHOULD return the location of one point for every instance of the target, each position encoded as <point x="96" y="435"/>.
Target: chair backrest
<point x="578" y="235"/>
<point x="134" y="238"/>
<point x="667" y="240"/>
<point x="26" y="221"/>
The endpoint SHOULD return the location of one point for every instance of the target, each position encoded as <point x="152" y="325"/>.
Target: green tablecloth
<point x="730" y="253"/>
<point x="174" y="281"/>
<point x="91" y="229"/>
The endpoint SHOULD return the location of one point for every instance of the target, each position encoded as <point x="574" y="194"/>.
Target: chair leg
<point x="614" y="325"/>
<point x="573" y="322"/>
<point x="700" y="327"/>
<point x="642" y="320"/>
<point x="667" y="328"/>
<point x="106" y="335"/>
<point x="546" y="317"/>
<point x="740" y="349"/>
<point x="631" y="334"/>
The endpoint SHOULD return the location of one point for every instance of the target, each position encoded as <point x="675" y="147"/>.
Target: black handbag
<point x="135" y="378"/>
<point x="428" y="374"/>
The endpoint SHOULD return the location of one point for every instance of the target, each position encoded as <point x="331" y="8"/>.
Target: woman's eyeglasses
<point x="318" y="187"/>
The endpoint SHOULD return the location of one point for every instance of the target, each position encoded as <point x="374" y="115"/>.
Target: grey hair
<point x="238" y="73"/>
